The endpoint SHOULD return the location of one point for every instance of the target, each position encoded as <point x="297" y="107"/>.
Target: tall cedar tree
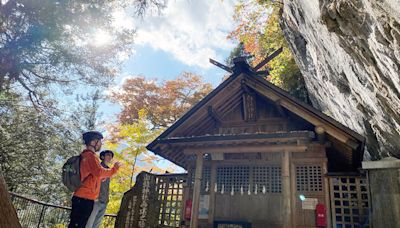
<point x="33" y="145"/>
<point x="48" y="42"/>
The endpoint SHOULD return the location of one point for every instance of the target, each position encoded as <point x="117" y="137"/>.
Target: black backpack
<point x="71" y="175"/>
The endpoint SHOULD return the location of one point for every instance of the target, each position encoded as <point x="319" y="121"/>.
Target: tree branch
<point x="47" y="78"/>
<point x="31" y="93"/>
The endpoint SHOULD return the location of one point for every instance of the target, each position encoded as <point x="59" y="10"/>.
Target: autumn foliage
<point x="164" y="102"/>
<point x="259" y="33"/>
<point x="148" y="108"/>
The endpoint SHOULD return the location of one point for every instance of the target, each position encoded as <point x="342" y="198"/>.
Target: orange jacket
<point x="91" y="175"/>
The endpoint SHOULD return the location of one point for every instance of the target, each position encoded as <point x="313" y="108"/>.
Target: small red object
<point x="188" y="209"/>
<point x="320" y="215"/>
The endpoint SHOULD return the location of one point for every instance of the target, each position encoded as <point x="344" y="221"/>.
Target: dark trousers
<point x="80" y="213"/>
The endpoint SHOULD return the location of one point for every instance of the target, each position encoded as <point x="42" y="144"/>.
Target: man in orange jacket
<point x="91" y="175"/>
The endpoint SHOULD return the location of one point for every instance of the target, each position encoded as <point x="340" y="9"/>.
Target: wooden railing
<point x="33" y="213"/>
<point x="156" y="200"/>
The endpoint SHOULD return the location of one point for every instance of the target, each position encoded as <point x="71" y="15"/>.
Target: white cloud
<point x="192" y="31"/>
<point x="120" y="20"/>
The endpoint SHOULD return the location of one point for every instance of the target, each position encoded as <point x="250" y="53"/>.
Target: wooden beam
<point x="352" y="144"/>
<point x="307" y="160"/>
<point x="326" y="190"/>
<point x="269" y="58"/>
<point x="302" y="112"/>
<point x="213" y="180"/>
<point x="170" y="154"/>
<point x="224" y="106"/>
<point x="294" y="190"/>
<point x="279" y="108"/>
<point x="286" y="191"/>
<point x="214" y="115"/>
<point x="247" y="149"/>
<point x="192" y="131"/>
<point x="268" y="121"/>
<point x="194" y="222"/>
<point x="245" y="88"/>
<point x="186" y="193"/>
<point x="217" y="100"/>
<point x="180" y="157"/>
<point x="230" y="104"/>
<point x="261" y="137"/>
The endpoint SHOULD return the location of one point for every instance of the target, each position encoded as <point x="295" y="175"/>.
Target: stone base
<point x="386" y="163"/>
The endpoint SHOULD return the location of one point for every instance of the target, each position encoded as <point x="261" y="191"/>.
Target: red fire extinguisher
<point x="188" y="209"/>
<point x="320" y="215"/>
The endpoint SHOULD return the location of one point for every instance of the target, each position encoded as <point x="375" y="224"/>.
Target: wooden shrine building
<point x="256" y="156"/>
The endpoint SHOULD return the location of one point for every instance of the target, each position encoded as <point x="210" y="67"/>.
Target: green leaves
<point x="46" y="43"/>
<point x="260" y="34"/>
<point x="34" y="145"/>
<point x="130" y="140"/>
<point x="148" y="108"/>
<point x="47" y="50"/>
<point x="29" y="149"/>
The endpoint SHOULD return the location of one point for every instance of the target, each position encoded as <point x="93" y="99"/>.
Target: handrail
<point x="35" y="213"/>
<point x="38" y="202"/>
<point x="48" y="204"/>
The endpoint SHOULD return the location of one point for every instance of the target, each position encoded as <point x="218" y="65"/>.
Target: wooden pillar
<point x="294" y="196"/>
<point x="213" y="180"/>
<point x="186" y="194"/>
<point x="286" y="190"/>
<point x="194" y="222"/>
<point x="327" y="197"/>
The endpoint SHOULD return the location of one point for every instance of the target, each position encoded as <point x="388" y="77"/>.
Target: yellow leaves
<point x="148" y="107"/>
<point x="149" y="158"/>
<point x="130" y="140"/>
<point x="259" y="30"/>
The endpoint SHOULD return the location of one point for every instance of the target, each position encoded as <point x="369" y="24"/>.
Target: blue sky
<point x="180" y="38"/>
<point x="163" y="65"/>
<point x="159" y="65"/>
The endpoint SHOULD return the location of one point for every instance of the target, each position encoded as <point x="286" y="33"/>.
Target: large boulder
<point x="349" y="54"/>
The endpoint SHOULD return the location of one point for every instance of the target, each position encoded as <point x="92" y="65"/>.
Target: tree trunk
<point x="7" y="212"/>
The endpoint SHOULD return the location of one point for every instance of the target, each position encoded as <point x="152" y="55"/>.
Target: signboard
<point x="140" y="205"/>
<point x="204" y="206"/>
<point x="309" y="203"/>
<point x="144" y="204"/>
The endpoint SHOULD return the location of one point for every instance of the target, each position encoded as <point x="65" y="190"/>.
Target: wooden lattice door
<point x="350" y="201"/>
<point x="170" y="196"/>
<point x="309" y="189"/>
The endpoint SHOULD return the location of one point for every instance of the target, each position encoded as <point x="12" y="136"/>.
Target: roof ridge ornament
<point x="240" y="64"/>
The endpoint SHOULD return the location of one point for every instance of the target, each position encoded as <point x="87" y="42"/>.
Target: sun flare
<point x="101" y="38"/>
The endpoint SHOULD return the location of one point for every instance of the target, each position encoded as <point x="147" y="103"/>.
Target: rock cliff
<point x="349" y="54"/>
